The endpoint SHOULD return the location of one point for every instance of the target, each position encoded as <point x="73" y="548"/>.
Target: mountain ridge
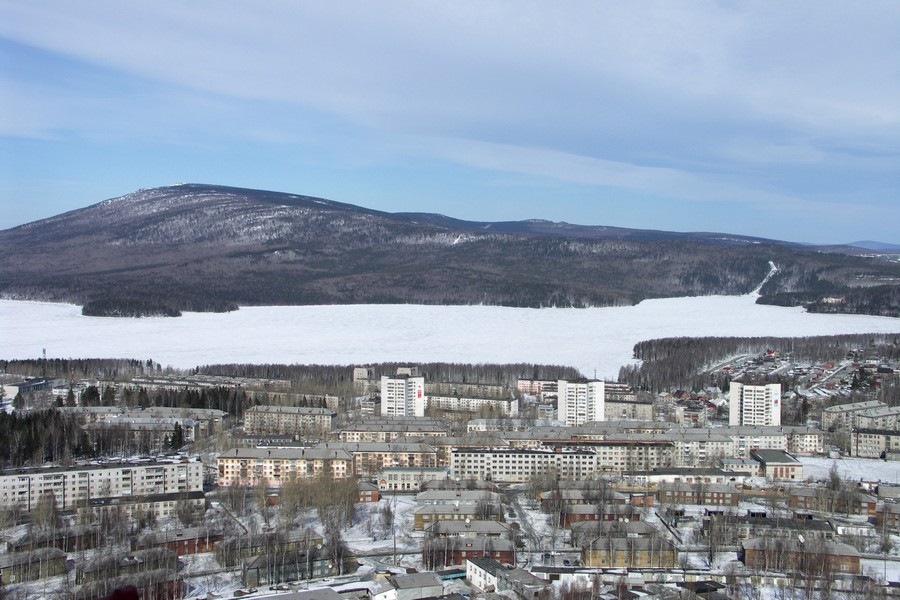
<point x="208" y="247"/>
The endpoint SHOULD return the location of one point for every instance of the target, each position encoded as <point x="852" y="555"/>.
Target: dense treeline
<point x="490" y="374"/>
<point x="80" y="368"/>
<point x="882" y="300"/>
<point x="38" y="437"/>
<point x="128" y="307"/>
<point x="670" y="363"/>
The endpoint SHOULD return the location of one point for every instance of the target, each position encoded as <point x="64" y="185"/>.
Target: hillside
<point x="213" y="248"/>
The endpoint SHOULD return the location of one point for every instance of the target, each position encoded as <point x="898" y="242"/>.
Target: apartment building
<point x="403" y="396"/>
<point x="370" y="458"/>
<point x="579" y="402"/>
<point x="874" y="443"/>
<point x="277" y="420"/>
<point x="845" y="415"/>
<point x="755" y="404"/>
<point x="75" y="486"/>
<point x="508" y="407"/>
<point x="886" y="417"/>
<point x="510" y="465"/>
<point x="387" y="429"/>
<point x="275" y="466"/>
<point x="408" y="479"/>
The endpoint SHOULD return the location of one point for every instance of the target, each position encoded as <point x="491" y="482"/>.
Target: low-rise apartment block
<point x="387" y="429"/>
<point x="268" y="419"/>
<point x="501" y="406"/>
<point x="276" y="466"/>
<point x="76" y="486"/>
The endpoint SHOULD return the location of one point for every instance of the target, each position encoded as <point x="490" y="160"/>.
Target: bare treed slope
<point x="202" y="247"/>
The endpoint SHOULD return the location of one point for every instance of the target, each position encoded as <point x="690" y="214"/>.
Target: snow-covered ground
<point x="852" y="469"/>
<point x="597" y="341"/>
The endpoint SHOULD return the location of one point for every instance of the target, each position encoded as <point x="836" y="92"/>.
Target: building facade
<point x="298" y="420"/>
<point x="755" y="405"/>
<point x="403" y="396"/>
<point x="579" y="402"/>
<point x="78" y="486"/>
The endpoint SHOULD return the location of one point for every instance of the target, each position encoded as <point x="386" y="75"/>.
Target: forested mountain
<point x="213" y="248"/>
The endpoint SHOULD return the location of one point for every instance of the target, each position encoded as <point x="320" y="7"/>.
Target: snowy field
<point x="597" y="341"/>
<point x="852" y="469"/>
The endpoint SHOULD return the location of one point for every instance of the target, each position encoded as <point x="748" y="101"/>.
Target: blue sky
<point x="773" y="119"/>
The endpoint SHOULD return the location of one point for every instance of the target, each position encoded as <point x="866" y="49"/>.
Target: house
<point x="409" y="587"/>
<point x="888" y="515"/>
<point x="368" y="492"/>
<point x="190" y="540"/>
<point x="629" y="553"/>
<point x="816" y="558"/>
<point x="408" y="479"/>
<point x="476" y="528"/>
<point x="424" y="516"/>
<point x="717" y="494"/>
<point x="597" y="512"/>
<point x="438" y="552"/>
<point x="489" y="575"/>
<point x="17" y="567"/>
<point x="108" y="568"/>
<point x="823" y="499"/>
<point x="586" y="531"/>
<point x="293" y="565"/>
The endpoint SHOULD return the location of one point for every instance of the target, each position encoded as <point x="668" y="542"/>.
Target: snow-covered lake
<point x="597" y="341"/>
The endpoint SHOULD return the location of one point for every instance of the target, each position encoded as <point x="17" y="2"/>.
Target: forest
<point x="251" y="248"/>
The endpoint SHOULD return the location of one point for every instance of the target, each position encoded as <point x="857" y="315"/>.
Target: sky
<point x="772" y="119"/>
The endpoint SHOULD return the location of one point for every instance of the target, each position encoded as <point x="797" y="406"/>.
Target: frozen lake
<point x="595" y="340"/>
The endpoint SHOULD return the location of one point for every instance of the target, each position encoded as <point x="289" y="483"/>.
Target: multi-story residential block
<point x="536" y="386"/>
<point x="886" y="417"/>
<point x="501" y="406"/>
<point x="276" y="466"/>
<point x="387" y="429"/>
<point x="403" y="396"/>
<point x="874" y="443"/>
<point x="203" y="421"/>
<point x="76" y="486"/>
<point x="445" y="445"/>
<point x="615" y="409"/>
<point x="458" y="497"/>
<point x="755" y="405"/>
<point x="298" y="420"/>
<point x="845" y="415"/>
<point x="512" y="465"/>
<point x="408" y="479"/>
<point x="579" y="402"/>
<point x="370" y="458"/>
<point x="483" y="425"/>
<point x="806" y="441"/>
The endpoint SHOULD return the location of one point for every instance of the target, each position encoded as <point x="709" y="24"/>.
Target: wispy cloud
<point x="706" y="101"/>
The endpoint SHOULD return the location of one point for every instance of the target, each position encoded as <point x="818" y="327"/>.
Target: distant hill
<point x="214" y="248"/>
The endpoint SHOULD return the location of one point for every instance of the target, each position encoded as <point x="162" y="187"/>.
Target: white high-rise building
<point x="403" y="396"/>
<point x="579" y="402"/>
<point x="755" y="405"/>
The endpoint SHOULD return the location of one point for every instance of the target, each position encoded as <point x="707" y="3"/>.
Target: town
<point x="398" y="482"/>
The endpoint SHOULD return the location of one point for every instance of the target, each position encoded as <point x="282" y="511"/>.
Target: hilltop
<point x="213" y="248"/>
